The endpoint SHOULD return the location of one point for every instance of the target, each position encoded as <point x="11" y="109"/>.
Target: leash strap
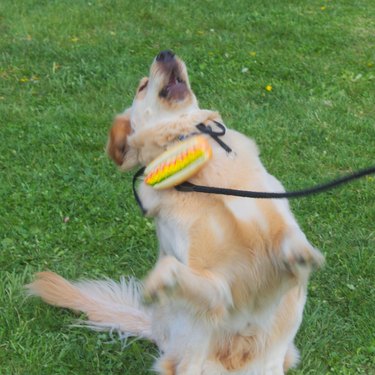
<point x="189" y="187"/>
<point x="138" y="174"/>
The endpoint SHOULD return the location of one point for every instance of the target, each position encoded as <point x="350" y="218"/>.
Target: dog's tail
<point x="108" y="305"/>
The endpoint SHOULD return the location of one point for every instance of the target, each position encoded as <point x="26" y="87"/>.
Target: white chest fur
<point x="172" y="234"/>
<point x="173" y="239"/>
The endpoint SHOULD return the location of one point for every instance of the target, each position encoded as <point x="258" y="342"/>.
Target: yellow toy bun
<point x="179" y="163"/>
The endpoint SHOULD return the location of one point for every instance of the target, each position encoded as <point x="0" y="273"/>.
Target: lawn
<point x="297" y="76"/>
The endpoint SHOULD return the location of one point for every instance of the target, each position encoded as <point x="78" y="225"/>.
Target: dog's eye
<point x="143" y="86"/>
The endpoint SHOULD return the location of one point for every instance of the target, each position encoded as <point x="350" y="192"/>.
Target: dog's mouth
<point x="174" y="87"/>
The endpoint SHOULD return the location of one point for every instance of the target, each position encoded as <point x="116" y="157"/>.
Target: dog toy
<point x="179" y="163"/>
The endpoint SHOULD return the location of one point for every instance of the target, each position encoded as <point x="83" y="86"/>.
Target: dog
<point x="227" y="293"/>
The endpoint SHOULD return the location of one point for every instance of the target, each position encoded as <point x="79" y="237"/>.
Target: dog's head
<point x="166" y="93"/>
<point x="162" y="97"/>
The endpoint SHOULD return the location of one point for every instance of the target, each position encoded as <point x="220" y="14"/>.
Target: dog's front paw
<point x="162" y="281"/>
<point x="298" y="256"/>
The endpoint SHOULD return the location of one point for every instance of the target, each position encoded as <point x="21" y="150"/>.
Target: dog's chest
<point x="173" y="239"/>
<point x="172" y="234"/>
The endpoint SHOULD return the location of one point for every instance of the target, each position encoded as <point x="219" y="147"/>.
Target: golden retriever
<point x="227" y="293"/>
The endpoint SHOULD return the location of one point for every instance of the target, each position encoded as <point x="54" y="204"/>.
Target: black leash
<point x="189" y="187"/>
<point x="138" y="174"/>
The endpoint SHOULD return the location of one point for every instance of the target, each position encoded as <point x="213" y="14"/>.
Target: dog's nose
<point x="165" y="56"/>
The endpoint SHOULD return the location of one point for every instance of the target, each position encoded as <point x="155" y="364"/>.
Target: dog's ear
<point x="117" y="147"/>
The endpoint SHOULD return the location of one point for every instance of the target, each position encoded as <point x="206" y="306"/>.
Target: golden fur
<point x="227" y="293"/>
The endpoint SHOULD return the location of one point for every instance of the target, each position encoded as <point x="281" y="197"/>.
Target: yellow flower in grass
<point x="268" y="88"/>
<point x="323" y="7"/>
<point x="33" y="78"/>
<point x="74" y="39"/>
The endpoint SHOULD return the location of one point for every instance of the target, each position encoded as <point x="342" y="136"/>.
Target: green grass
<point x="67" y="67"/>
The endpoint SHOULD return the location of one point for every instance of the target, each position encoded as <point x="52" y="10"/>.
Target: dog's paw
<point x="162" y="281"/>
<point x="299" y="257"/>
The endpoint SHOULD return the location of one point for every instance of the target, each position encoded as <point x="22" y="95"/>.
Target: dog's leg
<point x="207" y="290"/>
<point x="291" y="358"/>
<point x="206" y="293"/>
<point x="187" y="342"/>
<point x="189" y="365"/>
